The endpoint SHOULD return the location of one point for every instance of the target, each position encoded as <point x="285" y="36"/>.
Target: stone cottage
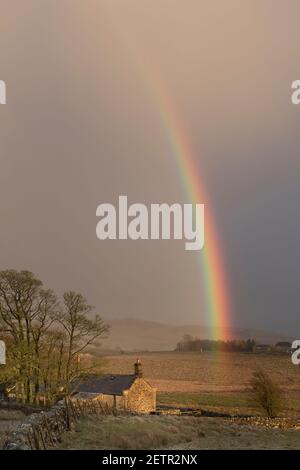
<point x="123" y="392"/>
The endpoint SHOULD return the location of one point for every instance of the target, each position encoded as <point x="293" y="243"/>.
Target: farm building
<point x="123" y="392"/>
<point x="284" y="347"/>
<point x="262" y="348"/>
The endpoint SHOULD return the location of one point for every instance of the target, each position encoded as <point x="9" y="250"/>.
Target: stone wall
<point x="43" y="430"/>
<point x="141" y="398"/>
<point x="16" y="406"/>
<point x="39" y="430"/>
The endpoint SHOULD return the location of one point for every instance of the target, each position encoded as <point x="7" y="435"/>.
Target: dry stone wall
<point x="43" y="430"/>
<point x="39" y="430"/>
<point x="141" y="398"/>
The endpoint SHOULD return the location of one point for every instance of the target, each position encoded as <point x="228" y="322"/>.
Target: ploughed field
<point x="217" y="381"/>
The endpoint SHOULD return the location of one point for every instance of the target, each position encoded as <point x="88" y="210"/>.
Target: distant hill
<point x="131" y="334"/>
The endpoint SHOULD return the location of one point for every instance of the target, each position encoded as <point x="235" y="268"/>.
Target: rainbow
<point x="213" y="268"/>
<point x="210" y="258"/>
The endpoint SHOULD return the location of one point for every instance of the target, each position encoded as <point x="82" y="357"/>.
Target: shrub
<point x="266" y="393"/>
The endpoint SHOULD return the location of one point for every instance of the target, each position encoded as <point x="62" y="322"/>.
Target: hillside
<point x="131" y="334"/>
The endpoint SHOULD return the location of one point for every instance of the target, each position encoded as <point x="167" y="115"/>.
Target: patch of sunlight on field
<point x="224" y="371"/>
<point x="217" y="381"/>
<point x="233" y="403"/>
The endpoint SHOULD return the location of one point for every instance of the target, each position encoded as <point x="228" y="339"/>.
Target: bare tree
<point x="52" y="364"/>
<point x="81" y="331"/>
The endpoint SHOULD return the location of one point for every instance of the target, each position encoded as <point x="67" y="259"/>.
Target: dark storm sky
<point x="80" y="127"/>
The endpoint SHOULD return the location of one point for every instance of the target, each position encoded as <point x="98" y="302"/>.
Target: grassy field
<point x="174" y="432"/>
<point x="213" y="381"/>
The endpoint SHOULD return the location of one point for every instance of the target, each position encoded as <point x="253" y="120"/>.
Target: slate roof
<point x="106" y="384"/>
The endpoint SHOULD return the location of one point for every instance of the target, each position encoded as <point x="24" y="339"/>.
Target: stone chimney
<point x="138" y="369"/>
